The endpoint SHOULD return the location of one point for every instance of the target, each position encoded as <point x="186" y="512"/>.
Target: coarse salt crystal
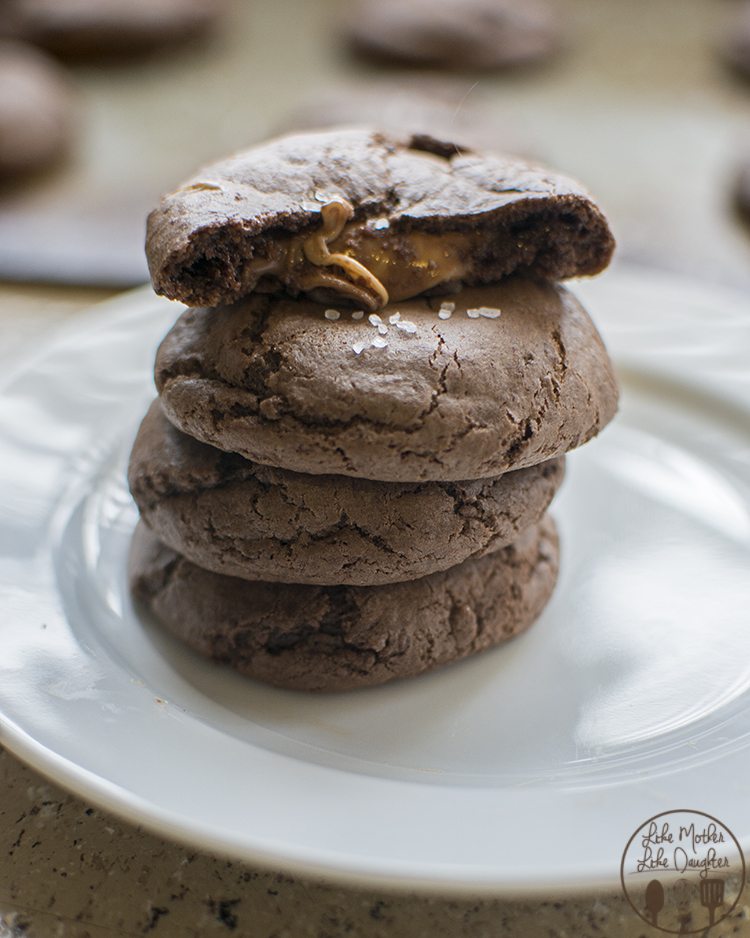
<point x="448" y="306"/>
<point x="379" y="342"/>
<point x="407" y="326"/>
<point x="381" y="223"/>
<point x="489" y="313"/>
<point x="382" y="328"/>
<point x="394" y="318"/>
<point x="322" y="197"/>
<point x="374" y="319"/>
<point x="358" y="314"/>
<point x="358" y="347"/>
<point x="444" y="313"/>
<point x="332" y="314"/>
<point x="472" y="313"/>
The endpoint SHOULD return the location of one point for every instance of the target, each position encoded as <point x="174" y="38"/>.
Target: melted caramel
<point x="365" y="262"/>
<point x="406" y="263"/>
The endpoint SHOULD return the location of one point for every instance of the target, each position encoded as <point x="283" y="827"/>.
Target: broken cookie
<point x="364" y="218"/>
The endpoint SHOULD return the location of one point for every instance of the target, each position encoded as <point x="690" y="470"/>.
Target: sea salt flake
<point x="358" y="314"/>
<point x="374" y="319"/>
<point x="394" y="318"/>
<point x="359" y="347"/>
<point x="379" y="342"/>
<point x="382" y="328"/>
<point x="407" y="326"/>
<point x="332" y="314"/>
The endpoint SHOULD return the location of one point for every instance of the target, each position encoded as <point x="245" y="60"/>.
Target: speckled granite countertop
<point x="69" y="871"/>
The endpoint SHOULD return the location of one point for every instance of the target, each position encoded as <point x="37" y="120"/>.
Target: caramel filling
<point x="365" y="262"/>
<point x="317" y="250"/>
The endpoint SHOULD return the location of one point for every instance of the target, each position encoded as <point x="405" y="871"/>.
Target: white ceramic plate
<point x="523" y="770"/>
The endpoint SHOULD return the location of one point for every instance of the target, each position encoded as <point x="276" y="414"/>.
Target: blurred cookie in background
<point x="742" y="193"/>
<point x="36" y="110"/>
<point x="735" y="44"/>
<point x="454" y="34"/>
<point x="447" y="109"/>
<point x="101" y="28"/>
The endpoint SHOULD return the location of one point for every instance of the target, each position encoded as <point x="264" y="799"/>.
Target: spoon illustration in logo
<point x="654" y="900"/>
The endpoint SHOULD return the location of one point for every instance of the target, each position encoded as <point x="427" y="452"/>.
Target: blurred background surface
<point x="638" y="104"/>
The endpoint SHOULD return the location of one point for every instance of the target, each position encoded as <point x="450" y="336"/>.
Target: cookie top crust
<point x="493" y="379"/>
<point x="361" y="216"/>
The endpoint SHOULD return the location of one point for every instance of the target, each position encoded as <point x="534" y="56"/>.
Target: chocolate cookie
<point x="330" y="638"/>
<point x="242" y="519"/>
<point x="735" y="47"/>
<point x="95" y="28"/>
<point x="36" y="110"/>
<point x="493" y="379"/>
<point x="451" y="34"/>
<point x="742" y="193"/>
<point x="360" y="216"/>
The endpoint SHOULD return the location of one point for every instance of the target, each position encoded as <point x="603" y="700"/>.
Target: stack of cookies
<point x="363" y="415"/>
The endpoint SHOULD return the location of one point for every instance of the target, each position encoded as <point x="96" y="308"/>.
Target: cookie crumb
<point x="379" y="342"/>
<point x="359" y="347"/>
<point x="332" y="314"/>
<point x="407" y="326"/>
<point x="358" y="314"/>
<point x="394" y="318"/>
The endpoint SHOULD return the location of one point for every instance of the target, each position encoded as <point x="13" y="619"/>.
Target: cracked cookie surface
<point x="458" y="398"/>
<point x="423" y="211"/>
<point x="328" y="638"/>
<point x="242" y="519"/>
